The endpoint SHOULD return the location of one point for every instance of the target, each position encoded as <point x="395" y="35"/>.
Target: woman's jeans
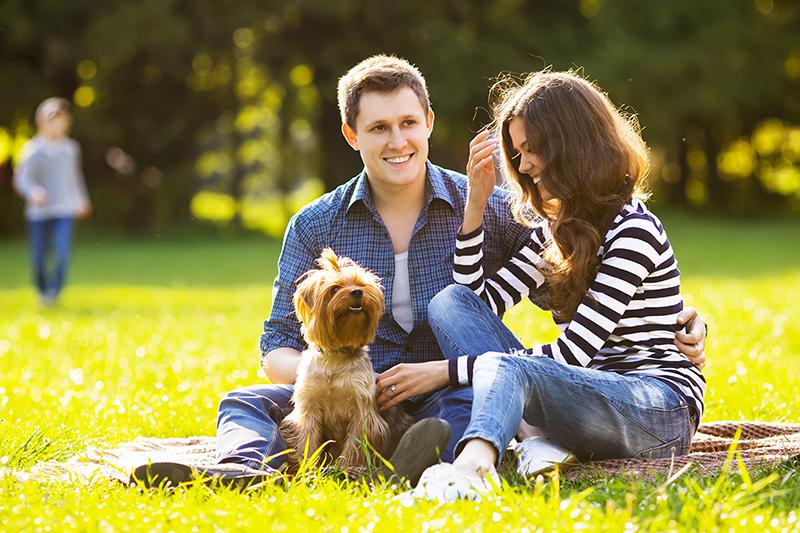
<point x="592" y="413"/>
<point x="43" y="234"/>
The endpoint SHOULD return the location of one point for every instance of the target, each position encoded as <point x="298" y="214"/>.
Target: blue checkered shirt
<point x="346" y="220"/>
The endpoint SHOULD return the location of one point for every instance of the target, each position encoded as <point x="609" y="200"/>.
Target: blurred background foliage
<point x="227" y="112"/>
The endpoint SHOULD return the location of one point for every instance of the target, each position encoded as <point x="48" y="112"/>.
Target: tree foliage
<point x="175" y="97"/>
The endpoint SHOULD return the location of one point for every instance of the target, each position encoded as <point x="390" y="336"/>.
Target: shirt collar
<point x="435" y="188"/>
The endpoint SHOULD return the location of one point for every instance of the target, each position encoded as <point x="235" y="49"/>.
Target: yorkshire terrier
<point x="339" y="306"/>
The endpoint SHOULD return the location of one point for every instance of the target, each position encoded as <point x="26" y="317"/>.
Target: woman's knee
<point x="447" y="300"/>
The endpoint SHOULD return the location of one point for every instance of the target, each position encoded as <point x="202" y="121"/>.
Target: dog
<point x="339" y="306"/>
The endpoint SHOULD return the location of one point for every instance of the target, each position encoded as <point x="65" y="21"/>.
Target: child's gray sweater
<point x="54" y="166"/>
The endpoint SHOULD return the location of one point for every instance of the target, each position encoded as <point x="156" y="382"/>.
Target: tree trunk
<point x="679" y="188"/>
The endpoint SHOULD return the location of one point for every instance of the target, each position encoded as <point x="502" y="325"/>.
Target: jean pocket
<point x="672" y="448"/>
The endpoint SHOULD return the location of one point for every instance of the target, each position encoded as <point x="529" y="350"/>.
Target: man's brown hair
<point x="383" y="74"/>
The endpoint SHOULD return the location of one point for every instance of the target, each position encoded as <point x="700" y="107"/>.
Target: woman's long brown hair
<point x="594" y="160"/>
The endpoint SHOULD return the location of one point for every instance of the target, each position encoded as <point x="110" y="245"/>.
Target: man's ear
<point x="350" y="136"/>
<point x="429" y="122"/>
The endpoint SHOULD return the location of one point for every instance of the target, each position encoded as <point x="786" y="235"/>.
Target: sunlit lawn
<point x="150" y="334"/>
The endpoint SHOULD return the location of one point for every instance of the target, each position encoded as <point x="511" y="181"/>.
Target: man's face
<point x="391" y="134"/>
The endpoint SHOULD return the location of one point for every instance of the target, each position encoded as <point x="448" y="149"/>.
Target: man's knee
<point x="448" y="298"/>
<point x="270" y="398"/>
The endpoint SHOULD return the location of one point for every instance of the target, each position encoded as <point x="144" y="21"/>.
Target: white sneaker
<point x="537" y="454"/>
<point x="445" y="483"/>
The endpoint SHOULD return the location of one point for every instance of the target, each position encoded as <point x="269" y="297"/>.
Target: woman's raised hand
<point x="481" y="174"/>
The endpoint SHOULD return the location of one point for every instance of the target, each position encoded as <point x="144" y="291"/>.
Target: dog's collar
<point x="341" y="351"/>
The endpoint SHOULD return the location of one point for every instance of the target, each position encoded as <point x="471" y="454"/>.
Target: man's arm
<point x="281" y="340"/>
<point x="692" y="342"/>
<point x="280" y="365"/>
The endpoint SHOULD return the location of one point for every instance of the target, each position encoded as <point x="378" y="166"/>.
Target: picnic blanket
<point x="761" y="444"/>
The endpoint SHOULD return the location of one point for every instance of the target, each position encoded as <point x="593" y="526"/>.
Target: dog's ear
<point x="304" y="298"/>
<point x="328" y="260"/>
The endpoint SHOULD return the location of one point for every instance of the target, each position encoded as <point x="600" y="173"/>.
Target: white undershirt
<point x="401" y="293"/>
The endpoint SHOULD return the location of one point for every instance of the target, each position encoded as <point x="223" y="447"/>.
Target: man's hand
<point x="692" y="343"/>
<point x="405" y="380"/>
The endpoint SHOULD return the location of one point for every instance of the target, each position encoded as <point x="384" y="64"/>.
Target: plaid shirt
<point x="346" y="220"/>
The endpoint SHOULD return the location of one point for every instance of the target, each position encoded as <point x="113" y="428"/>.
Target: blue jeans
<point x="42" y="234"/>
<point x="248" y="418"/>
<point x="592" y="413"/>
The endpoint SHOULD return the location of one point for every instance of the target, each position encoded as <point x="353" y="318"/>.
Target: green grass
<point x="150" y="334"/>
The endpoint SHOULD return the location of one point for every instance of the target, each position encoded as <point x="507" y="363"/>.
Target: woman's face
<point x="529" y="163"/>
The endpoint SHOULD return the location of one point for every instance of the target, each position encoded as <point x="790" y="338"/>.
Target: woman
<point x="613" y="384"/>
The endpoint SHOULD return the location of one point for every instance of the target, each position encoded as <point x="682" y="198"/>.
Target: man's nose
<point x="397" y="140"/>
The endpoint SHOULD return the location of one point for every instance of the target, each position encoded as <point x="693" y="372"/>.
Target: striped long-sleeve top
<point x="626" y="322"/>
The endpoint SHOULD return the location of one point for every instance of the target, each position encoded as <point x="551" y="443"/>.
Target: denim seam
<point x="478" y="421"/>
<point x="268" y="451"/>
<point x="640" y="426"/>
<point x="676" y="444"/>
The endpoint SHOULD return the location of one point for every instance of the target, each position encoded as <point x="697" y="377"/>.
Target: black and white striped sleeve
<point x="517" y="279"/>
<point x="635" y="248"/>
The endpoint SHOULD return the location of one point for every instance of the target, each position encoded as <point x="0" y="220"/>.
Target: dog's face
<point x="339" y="304"/>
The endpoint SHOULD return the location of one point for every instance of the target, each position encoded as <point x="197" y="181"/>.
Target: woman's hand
<point x="405" y="380"/>
<point x="481" y="174"/>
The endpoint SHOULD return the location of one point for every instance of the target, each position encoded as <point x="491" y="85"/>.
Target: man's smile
<point x="398" y="160"/>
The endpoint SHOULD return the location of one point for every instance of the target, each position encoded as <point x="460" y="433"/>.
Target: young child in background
<point x="50" y="179"/>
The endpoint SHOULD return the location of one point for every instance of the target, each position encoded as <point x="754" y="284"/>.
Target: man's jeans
<point x="589" y="412"/>
<point x="247" y="423"/>
<point x="55" y="232"/>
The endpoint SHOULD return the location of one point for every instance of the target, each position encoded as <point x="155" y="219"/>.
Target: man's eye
<point x="379" y="127"/>
<point x="410" y="122"/>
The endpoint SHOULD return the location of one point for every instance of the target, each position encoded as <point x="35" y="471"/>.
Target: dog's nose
<point x="356" y="293"/>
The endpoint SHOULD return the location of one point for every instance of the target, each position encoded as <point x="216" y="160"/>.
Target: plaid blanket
<point x="761" y="444"/>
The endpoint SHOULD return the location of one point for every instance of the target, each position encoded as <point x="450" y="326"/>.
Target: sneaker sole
<point x="174" y="474"/>
<point x="563" y="465"/>
<point x="420" y="447"/>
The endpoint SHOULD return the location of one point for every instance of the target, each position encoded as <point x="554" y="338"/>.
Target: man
<point x="398" y="218"/>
